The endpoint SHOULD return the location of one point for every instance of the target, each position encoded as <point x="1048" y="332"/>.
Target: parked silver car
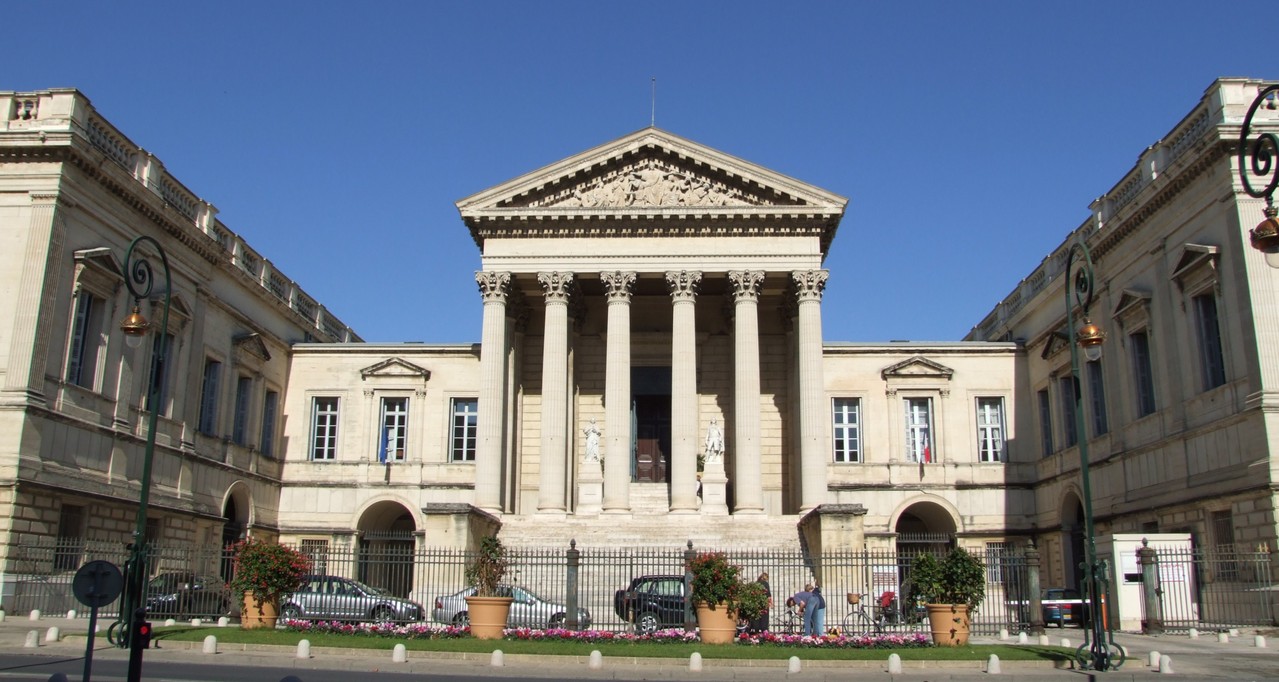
<point x="527" y="610"/>
<point x="328" y="597"/>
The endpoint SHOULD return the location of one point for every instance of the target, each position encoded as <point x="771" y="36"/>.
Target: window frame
<point x="1142" y="359"/>
<point x="1207" y="328"/>
<point x="240" y="418"/>
<point x="331" y="417"/>
<point x="207" y="423"/>
<point x="984" y="428"/>
<point x="270" y="415"/>
<point x="85" y="345"/>
<point x="1067" y="389"/>
<point x="1096" y="379"/>
<point x="841" y="453"/>
<point x="921" y="438"/>
<point x="393" y="432"/>
<point x="1046" y="443"/>
<point x="463" y="433"/>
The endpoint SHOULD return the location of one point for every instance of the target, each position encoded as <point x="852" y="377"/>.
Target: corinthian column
<point x="494" y="287"/>
<point x="557" y="287"/>
<point x="684" y="441"/>
<point x="617" y="392"/>
<point x="812" y="412"/>
<point x="747" y="481"/>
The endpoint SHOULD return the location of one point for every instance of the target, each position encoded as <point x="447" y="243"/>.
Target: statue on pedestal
<point x="714" y="442"/>
<point x="592" y="433"/>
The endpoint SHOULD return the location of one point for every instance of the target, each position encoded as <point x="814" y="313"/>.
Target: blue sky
<point x="335" y="137"/>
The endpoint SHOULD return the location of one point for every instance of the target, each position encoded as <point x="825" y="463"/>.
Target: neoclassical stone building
<point x="651" y="367"/>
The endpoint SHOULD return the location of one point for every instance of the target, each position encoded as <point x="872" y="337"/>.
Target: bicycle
<point x="858" y="619"/>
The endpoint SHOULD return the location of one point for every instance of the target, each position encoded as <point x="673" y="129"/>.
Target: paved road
<point x="1202" y="659"/>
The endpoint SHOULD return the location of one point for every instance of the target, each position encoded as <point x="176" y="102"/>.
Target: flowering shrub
<point x="669" y="636"/>
<point x="267" y="569"/>
<point x="715" y="580"/>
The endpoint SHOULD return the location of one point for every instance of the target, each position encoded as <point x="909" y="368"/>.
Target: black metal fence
<point x="1220" y="589"/>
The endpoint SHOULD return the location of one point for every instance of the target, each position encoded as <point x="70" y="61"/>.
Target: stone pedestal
<point x="714" y="490"/>
<point x="590" y="489"/>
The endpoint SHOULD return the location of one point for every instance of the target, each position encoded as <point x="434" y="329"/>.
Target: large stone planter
<point x="949" y="624"/>
<point x="716" y="625"/>
<point x="488" y="616"/>
<point x="258" y="614"/>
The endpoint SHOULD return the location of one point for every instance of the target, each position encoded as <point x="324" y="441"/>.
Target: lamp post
<point x="1079" y="291"/>
<point x="1265" y="154"/>
<point x="140" y="278"/>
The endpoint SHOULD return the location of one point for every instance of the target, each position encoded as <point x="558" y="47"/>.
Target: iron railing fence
<point x="1214" y="588"/>
<point x="1199" y="588"/>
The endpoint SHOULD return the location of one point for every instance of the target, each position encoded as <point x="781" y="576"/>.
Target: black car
<point x="652" y="602"/>
<point x="188" y="595"/>
<point x="1062" y="606"/>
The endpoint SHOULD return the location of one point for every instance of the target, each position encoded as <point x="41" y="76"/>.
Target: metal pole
<point x="140" y="279"/>
<point x="1079" y="289"/>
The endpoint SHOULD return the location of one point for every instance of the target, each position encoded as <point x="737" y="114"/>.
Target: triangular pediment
<point x="396" y="368"/>
<point x="649" y="174"/>
<point x="252" y="344"/>
<point x="1055" y="342"/>
<point x="917" y="367"/>
<point x="1130" y="301"/>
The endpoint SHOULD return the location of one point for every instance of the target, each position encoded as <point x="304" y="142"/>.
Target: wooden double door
<point x="652" y="418"/>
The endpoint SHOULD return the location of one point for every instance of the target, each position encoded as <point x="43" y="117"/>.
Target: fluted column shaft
<point x="494" y="287"/>
<point x="747" y="480"/>
<point x="617" y="392"/>
<point x="29" y="330"/>
<point x="809" y="285"/>
<point x="551" y="479"/>
<point x="684" y="412"/>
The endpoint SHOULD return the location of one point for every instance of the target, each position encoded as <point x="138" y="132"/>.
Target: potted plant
<point x="262" y="572"/>
<point x="486" y="609"/>
<point x="721" y="598"/>
<point x="952" y="588"/>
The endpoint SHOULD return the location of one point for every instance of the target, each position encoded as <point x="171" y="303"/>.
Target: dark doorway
<point x="651" y="415"/>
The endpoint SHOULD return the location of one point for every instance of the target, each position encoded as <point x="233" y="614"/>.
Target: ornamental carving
<point x="556" y="286"/>
<point x="809" y="284"/>
<point x="650" y="183"/>
<point x="618" y="285"/>
<point x="746" y="284"/>
<point x="684" y="284"/>
<point x="494" y="286"/>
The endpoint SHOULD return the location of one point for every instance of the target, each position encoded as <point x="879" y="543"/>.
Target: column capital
<point x="618" y="285"/>
<point x="494" y="286"/>
<point x="746" y="284"/>
<point x="809" y="284"/>
<point x="684" y="284"/>
<point x="556" y="286"/>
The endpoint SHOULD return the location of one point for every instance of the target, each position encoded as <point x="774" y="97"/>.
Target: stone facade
<point x="654" y="287"/>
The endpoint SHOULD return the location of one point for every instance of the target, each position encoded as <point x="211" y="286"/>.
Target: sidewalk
<point x="1205" y="658"/>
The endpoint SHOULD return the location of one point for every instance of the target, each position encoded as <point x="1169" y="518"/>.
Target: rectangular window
<point x="324" y="428"/>
<point x="996" y="554"/>
<point x="86" y="337"/>
<point x="161" y="363"/>
<point x="209" y="398"/>
<point x="70" y="541"/>
<point x="1067" y="389"/>
<point x="1045" y="422"/>
<point x="243" y="396"/>
<point x="267" y="444"/>
<point x="1223" y="538"/>
<point x="465" y="419"/>
<point x="1143" y="373"/>
<point x="848" y="425"/>
<point x="1097" y="398"/>
<point x="990" y="429"/>
<point x="919" y="430"/>
<point x="393" y="441"/>
<point x="1212" y="363"/>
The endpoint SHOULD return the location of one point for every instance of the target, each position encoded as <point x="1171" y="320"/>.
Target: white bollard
<point x="1" y="615"/>
<point x="496" y="659"/>
<point x="196" y="622"/>
<point x="34" y="615"/>
<point x="400" y="654"/>
<point x="894" y="664"/>
<point x="169" y="622"/>
<point x="1023" y="638"/>
<point x="596" y="661"/>
<point x="1223" y="637"/>
<point x="1065" y="642"/>
<point x="51" y="635"/>
<point x="210" y="645"/>
<point x="695" y="663"/>
<point x="992" y="665"/>
<point x="793" y="666"/>
<point x="1003" y="633"/>
<point x="33" y="640"/>
<point x="1165" y="665"/>
<point x="1259" y="641"/>
<point x="1152" y="660"/>
<point x="223" y="621"/>
<point x="1043" y="640"/>
<point x="1194" y="633"/>
<point x="71" y="614"/>
<point x="1234" y="632"/>
<point x="304" y="648"/>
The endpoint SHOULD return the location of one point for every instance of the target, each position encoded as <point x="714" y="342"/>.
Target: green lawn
<point x="639" y="650"/>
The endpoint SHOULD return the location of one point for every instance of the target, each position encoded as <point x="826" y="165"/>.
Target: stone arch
<point x="237" y="516"/>
<point x="1071" y="515"/>
<point x="387" y="530"/>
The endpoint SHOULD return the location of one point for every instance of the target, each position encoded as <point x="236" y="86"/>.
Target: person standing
<point x="815" y="613"/>
<point x="801" y="599"/>
<point x="761" y="624"/>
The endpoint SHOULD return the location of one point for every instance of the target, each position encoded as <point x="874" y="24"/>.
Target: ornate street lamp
<point x="140" y="279"/>
<point x="1098" y="650"/>
<point x="1265" y="153"/>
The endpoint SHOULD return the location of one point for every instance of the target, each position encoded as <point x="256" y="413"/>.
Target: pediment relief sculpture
<point x="649" y="183"/>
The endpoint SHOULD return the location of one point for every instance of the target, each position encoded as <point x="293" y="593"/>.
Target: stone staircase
<point x="650" y="525"/>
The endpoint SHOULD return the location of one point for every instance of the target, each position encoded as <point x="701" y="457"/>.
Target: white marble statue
<point x="592" y="433"/>
<point x="714" y="442"/>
